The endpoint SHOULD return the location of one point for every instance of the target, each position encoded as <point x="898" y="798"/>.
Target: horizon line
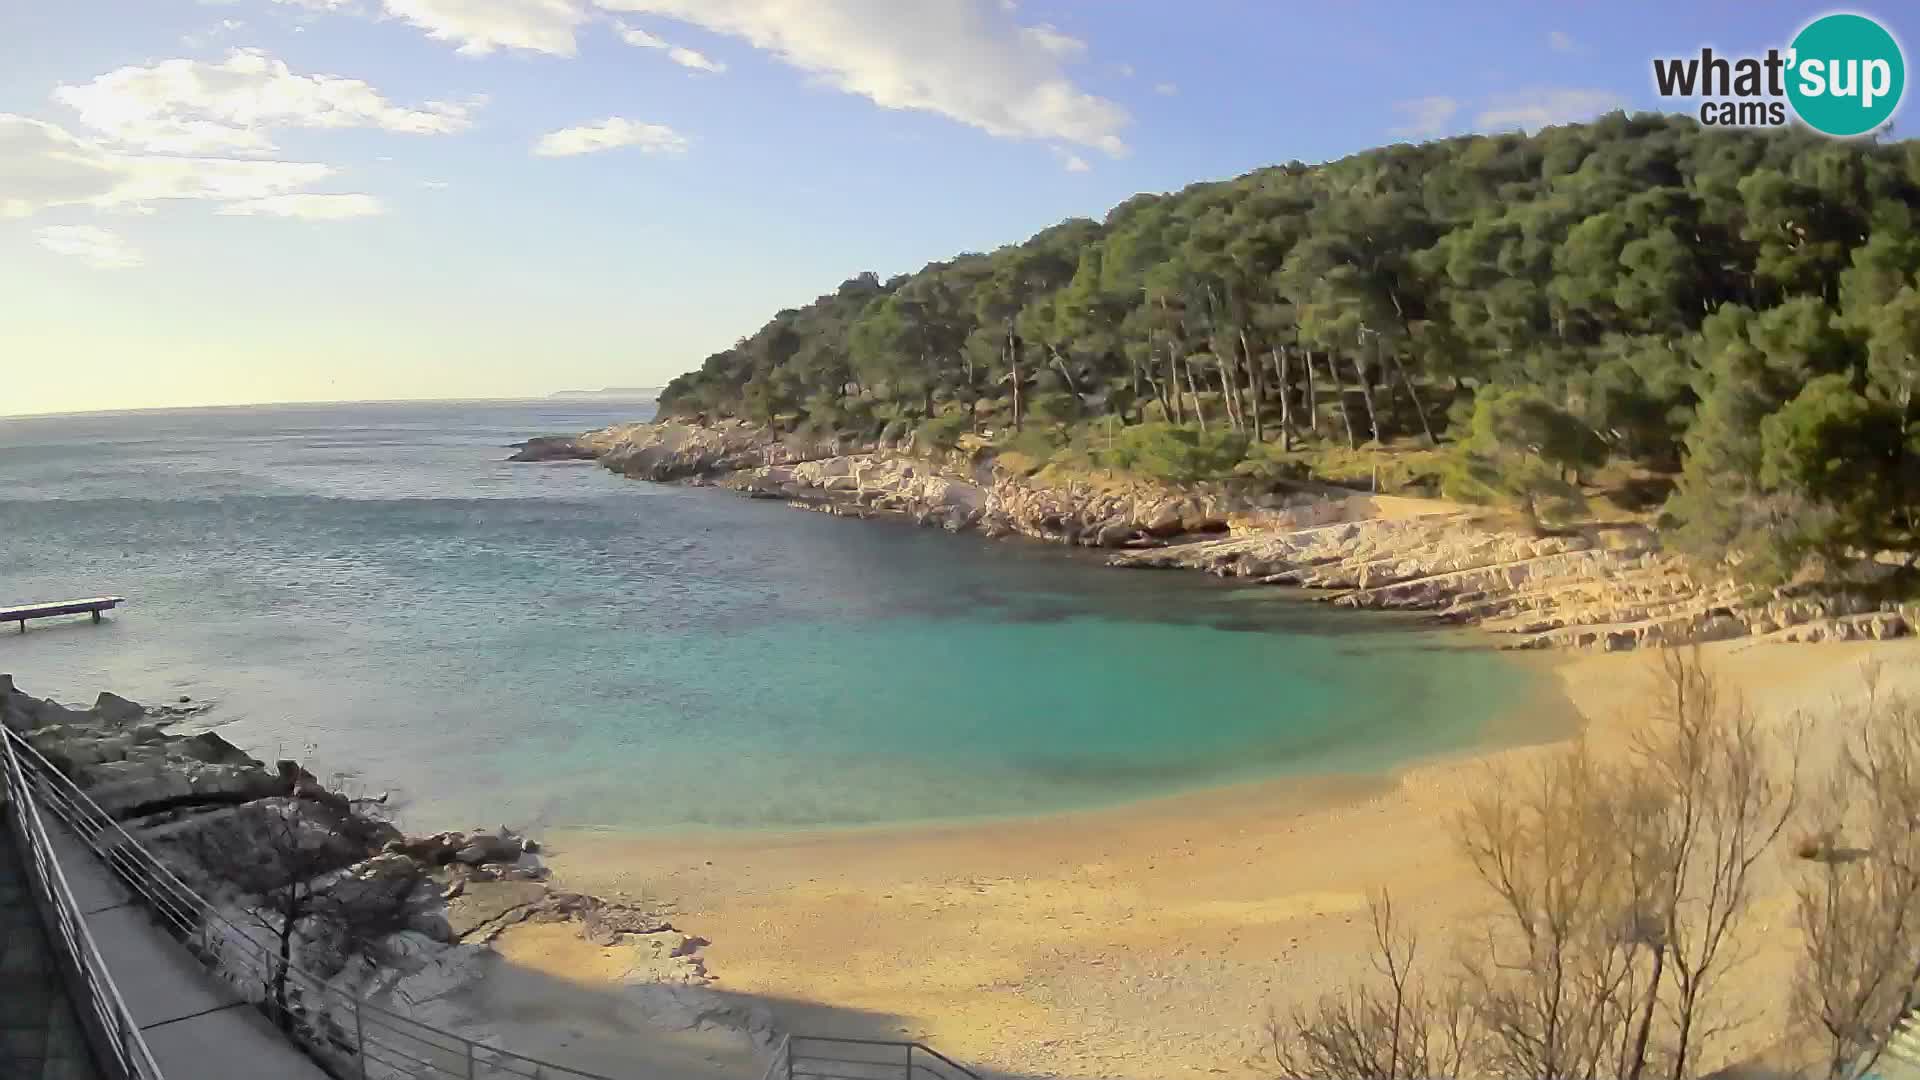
<point x="561" y="396"/>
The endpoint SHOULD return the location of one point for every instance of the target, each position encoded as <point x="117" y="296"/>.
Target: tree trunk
<point x="973" y="400"/>
<point x="289" y="915"/>
<point x="1366" y="394"/>
<point x="1061" y="364"/>
<point x="1230" y="387"/>
<point x="1199" y="410"/>
<point x="1400" y="312"/>
<point x="1179" y="415"/>
<point x="1340" y="399"/>
<point x="1637" y="1060"/>
<point x="1286" y="399"/>
<point x="1254" y="387"/>
<point x="1684" y="1036"/>
<point x="1159" y="392"/>
<point x="1013" y="363"/>
<point x="1313" y="396"/>
<point x="1228" y="393"/>
<point x="1419" y="408"/>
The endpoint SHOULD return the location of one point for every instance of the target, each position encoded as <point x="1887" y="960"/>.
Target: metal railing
<point x="350" y="1036"/>
<point x="117" y="1043"/>
<point x="817" y="1057"/>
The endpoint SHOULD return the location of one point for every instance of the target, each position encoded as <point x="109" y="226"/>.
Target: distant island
<point x="647" y="392"/>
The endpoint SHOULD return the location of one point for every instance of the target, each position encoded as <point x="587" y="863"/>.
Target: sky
<point x="243" y="201"/>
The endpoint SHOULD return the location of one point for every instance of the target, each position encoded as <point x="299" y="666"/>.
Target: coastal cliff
<point x="1607" y="587"/>
<point x="404" y="922"/>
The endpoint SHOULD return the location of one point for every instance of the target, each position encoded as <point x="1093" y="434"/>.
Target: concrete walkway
<point x="195" y="1024"/>
<point x="40" y="1035"/>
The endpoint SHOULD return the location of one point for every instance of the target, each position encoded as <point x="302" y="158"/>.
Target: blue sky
<point x="272" y="200"/>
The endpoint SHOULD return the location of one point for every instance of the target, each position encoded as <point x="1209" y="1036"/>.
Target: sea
<point x="374" y="590"/>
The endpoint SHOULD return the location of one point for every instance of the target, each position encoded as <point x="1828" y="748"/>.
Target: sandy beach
<point x="1145" y="941"/>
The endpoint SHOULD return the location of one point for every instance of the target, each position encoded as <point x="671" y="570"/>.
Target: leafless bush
<point x="1620" y="887"/>
<point x="1859" y="898"/>
<point x="1708" y="791"/>
<point x="1390" y="1031"/>
<point x="287" y="857"/>
<point x="1549" y="982"/>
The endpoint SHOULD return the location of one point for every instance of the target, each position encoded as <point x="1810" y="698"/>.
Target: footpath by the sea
<point x="400" y="924"/>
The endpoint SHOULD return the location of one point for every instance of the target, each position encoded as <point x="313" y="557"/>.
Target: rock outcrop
<point x="552" y="448"/>
<point x="675" y="451"/>
<point x="403" y="921"/>
<point x="948" y="490"/>
<point x="1605" y="588"/>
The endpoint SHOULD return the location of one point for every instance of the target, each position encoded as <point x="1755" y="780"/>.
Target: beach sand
<point x="1150" y="940"/>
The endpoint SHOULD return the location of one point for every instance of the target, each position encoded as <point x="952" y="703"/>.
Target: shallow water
<point x="374" y="588"/>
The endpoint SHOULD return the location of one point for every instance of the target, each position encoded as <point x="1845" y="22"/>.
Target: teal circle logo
<point x="1847" y="75"/>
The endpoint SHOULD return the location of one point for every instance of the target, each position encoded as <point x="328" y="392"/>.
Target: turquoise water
<point x="373" y="588"/>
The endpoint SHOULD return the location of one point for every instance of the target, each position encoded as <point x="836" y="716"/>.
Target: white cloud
<point x="435" y="185"/>
<point x="308" y="206"/>
<point x="99" y="248"/>
<point x="1560" y="41"/>
<point x="1425" y="117"/>
<point x="610" y="134"/>
<point x="1165" y="89"/>
<point x="191" y="107"/>
<point x="967" y="60"/>
<point x="1125" y="71"/>
<point x="477" y="27"/>
<point x="687" y="58"/>
<point x="1531" y="110"/>
<point x="481" y="26"/>
<point x="1046" y="37"/>
<point x="42" y="165"/>
<point x="637" y="37"/>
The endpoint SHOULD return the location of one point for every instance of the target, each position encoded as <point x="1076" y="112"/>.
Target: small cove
<point x="373" y="588"/>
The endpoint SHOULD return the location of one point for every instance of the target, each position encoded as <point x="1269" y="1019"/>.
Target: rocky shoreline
<point x="404" y="922"/>
<point x="1603" y="587"/>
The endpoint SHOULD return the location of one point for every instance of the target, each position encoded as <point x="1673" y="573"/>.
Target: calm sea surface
<point x="374" y="588"/>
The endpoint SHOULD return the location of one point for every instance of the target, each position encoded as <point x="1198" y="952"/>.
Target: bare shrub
<point x="1620" y="888"/>
<point x="1709" y="791"/>
<point x="1859" y="897"/>
<point x="1549" y="982"/>
<point x="1389" y="1031"/>
<point x="288" y="857"/>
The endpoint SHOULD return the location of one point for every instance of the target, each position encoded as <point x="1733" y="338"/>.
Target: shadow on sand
<point x="612" y="1032"/>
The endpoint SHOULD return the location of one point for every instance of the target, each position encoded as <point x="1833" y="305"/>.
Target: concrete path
<point x="40" y="1035"/>
<point x="195" y="1024"/>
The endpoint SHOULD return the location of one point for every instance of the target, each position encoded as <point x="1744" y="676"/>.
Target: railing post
<point x="360" y="1036"/>
<point x="789" y="1045"/>
<point x="469" y="1043"/>
<point x="908" y="1075"/>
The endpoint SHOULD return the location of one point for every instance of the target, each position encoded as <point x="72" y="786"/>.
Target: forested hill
<point x="1736" y="307"/>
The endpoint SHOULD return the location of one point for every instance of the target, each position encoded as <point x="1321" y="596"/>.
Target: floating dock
<point x="90" y="606"/>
